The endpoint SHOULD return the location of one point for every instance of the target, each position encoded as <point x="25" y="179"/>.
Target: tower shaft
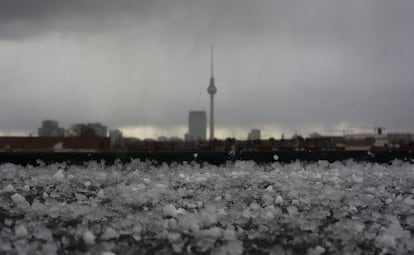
<point x="211" y="117"/>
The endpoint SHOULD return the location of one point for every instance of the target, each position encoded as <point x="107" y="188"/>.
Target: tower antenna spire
<point x="212" y="60"/>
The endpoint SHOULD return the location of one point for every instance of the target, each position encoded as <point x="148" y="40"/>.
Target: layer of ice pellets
<point x="237" y="208"/>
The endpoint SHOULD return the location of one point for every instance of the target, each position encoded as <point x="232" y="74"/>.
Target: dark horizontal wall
<point x="217" y="158"/>
<point x="48" y="143"/>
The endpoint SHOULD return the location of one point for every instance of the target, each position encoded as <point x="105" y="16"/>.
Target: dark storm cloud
<point x="16" y="10"/>
<point x="20" y="19"/>
<point x="291" y="63"/>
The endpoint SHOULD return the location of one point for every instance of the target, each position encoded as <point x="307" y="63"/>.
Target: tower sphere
<point x="212" y="89"/>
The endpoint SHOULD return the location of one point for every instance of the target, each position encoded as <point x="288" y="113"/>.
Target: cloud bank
<point x="282" y="66"/>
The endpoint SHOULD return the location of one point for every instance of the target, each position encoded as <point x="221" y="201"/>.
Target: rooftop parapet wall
<point x="54" y="143"/>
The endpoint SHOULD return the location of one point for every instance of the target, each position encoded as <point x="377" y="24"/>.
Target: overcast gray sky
<point x="142" y="65"/>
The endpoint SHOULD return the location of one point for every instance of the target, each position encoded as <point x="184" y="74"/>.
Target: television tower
<point x="212" y="90"/>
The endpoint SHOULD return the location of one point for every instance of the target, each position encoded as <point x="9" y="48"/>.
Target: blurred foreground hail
<point x="139" y="207"/>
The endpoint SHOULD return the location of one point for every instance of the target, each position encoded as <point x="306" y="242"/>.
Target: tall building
<point x="197" y="126"/>
<point x="50" y="128"/>
<point x="212" y="90"/>
<point x="254" y="134"/>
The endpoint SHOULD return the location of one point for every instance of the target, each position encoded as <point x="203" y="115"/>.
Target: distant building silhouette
<point x="100" y="129"/>
<point x="116" y="137"/>
<point x="90" y="129"/>
<point x="162" y="139"/>
<point x="170" y="139"/>
<point x="50" y="128"/>
<point x="254" y="134"/>
<point x="197" y="126"/>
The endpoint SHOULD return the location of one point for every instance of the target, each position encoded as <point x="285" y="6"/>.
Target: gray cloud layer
<point x="289" y="64"/>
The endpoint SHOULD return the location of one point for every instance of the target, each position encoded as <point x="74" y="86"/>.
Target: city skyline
<point x="140" y="67"/>
<point x="196" y="130"/>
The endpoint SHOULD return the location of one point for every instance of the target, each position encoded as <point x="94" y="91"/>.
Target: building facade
<point x="50" y="128"/>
